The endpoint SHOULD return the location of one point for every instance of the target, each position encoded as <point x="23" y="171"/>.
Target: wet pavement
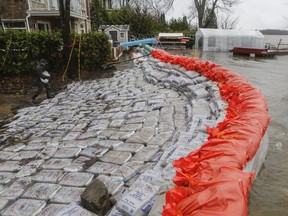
<point x="125" y="131"/>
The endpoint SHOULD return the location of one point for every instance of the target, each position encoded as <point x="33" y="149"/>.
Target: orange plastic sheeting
<point x="225" y="194"/>
<point x="210" y="181"/>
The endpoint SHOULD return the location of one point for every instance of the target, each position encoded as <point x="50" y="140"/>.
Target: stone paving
<point x="125" y="131"/>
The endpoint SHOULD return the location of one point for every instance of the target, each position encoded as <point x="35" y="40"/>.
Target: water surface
<point x="269" y="194"/>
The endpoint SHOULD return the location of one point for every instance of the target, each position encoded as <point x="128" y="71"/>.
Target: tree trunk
<point x="206" y="10"/>
<point x="200" y="6"/>
<point x="211" y="18"/>
<point x="64" y="7"/>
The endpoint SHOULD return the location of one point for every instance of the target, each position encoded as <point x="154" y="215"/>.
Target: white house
<point x="118" y="33"/>
<point x="224" y="39"/>
<point x="275" y="38"/>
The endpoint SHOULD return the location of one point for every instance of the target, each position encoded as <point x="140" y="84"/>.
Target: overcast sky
<point x="253" y="14"/>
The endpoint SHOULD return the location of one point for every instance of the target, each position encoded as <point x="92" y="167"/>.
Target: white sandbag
<point x="136" y="201"/>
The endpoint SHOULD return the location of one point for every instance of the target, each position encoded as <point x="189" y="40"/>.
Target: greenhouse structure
<point x="224" y="39"/>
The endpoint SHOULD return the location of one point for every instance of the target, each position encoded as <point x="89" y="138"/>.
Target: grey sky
<point x="253" y="14"/>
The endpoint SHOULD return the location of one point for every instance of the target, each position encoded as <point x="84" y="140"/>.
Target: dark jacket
<point x="40" y="68"/>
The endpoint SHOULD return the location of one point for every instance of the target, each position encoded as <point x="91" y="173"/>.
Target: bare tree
<point x="155" y="7"/>
<point x="227" y="21"/>
<point x="204" y="10"/>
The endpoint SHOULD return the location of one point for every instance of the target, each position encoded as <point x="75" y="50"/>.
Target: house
<point x="275" y="38"/>
<point x="33" y="15"/>
<point x="118" y="33"/>
<point x="226" y="39"/>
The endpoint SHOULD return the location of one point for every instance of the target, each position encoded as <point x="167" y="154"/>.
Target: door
<point x="114" y="35"/>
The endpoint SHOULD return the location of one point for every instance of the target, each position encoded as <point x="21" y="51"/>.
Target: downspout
<point x="28" y="16"/>
<point x="88" y="17"/>
<point x="27" y="21"/>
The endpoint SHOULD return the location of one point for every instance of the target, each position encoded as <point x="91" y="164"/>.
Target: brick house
<point x="33" y="15"/>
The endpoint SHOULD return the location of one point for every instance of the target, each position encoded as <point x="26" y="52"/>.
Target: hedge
<point x="20" y="51"/>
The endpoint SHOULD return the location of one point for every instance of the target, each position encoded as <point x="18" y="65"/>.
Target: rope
<point x="65" y="45"/>
<point x="70" y="56"/>
<point x="79" y="60"/>
<point x="10" y="40"/>
<point x="7" y="51"/>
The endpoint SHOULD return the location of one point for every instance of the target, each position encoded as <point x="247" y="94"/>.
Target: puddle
<point x="9" y="104"/>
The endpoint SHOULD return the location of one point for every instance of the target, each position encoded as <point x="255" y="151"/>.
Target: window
<point x="43" y="26"/>
<point x="113" y="35"/>
<point x="109" y="6"/>
<point x="54" y="4"/>
<point x="17" y="25"/>
<point x="82" y="28"/>
<point x="122" y="34"/>
<point x="41" y="1"/>
<point x="112" y="5"/>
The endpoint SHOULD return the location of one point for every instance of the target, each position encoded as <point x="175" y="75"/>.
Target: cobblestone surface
<point x="125" y="130"/>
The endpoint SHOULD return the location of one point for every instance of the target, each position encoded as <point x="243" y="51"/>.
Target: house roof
<point x="274" y="32"/>
<point x="119" y="27"/>
<point x="230" y="32"/>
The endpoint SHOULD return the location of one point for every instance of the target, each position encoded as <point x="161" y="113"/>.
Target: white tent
<point x="224" y="40"/>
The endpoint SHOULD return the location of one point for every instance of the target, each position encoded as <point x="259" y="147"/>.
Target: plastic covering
<point x="211" y="180"/>
<point x="139" y="42"/>
<point x="224" y="40"/>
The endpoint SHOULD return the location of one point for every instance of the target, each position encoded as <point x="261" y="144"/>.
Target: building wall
<point x="119" y="33"/>
<point x="55" y="23"/>
<point x="13" y="9"/>
<point x="273" y="40"/>
<point x="38" y="5"/>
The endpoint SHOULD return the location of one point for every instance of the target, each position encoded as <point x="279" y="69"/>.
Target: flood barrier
<point x="211" y="180"/>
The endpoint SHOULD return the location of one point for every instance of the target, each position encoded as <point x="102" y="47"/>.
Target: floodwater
<point x="269" y="194"/>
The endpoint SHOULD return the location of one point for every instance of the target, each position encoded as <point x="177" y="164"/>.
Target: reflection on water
<point x="269" y="195"/>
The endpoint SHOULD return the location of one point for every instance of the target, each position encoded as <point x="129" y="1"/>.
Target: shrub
<point x="95" y="50"/>
<point x="21" y="50"/>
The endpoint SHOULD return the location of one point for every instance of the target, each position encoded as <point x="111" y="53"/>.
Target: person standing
<point x="42" y="80"/>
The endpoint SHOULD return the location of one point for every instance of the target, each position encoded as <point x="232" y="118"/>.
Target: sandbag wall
<point x="210" y="180"/>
